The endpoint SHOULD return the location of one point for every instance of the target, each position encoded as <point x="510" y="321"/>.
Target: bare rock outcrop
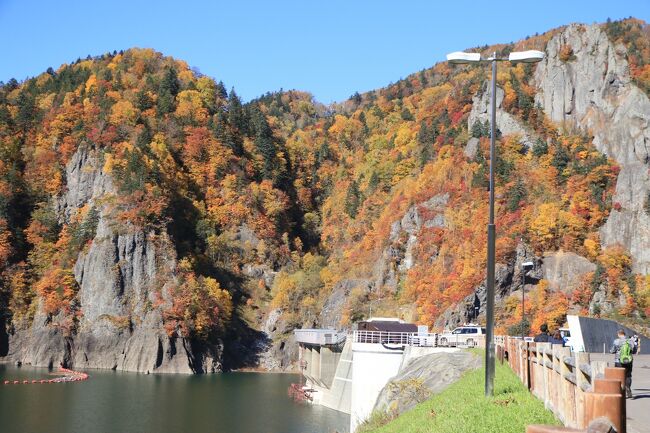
<point x="565" y="270"/>
<point x="398" y="257"/>
<point x="506" y="122"/>
<point x="422" y="377"/>
<point x="591" y="91"/>
<point x="120" y="275"/>
<point x="509" y="278"/>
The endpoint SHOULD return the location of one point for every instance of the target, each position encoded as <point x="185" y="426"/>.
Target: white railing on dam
<point x="403" y="338"/>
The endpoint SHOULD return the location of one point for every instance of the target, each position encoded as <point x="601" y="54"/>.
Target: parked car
<point x="462" y="336"/>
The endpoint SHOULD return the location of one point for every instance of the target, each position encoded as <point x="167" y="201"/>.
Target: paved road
<point x="638" y="408"/>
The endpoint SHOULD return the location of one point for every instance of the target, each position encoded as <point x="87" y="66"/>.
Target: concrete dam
<point x="346" y="372"/>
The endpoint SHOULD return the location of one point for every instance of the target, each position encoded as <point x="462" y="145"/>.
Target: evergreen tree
<point x="169" y="87"/>
<point x="352" y="200"/>
<point x="222" y="93"/>
<point x="236" y="115"/>
<point x="373" y="183"/>
<point x="26" y="109"/>
<point x="264" y="142"/>
<point x="170" y="82"/>
<point x="143" y="101"/>
<point x="425" y="155"/>
<point x="144" y="138"/>
<point x="323" y="153"/>
<point x="165" y="103"/>
<point x="516" y="194"/>
<point x="427" y="135"/>
<point x="480" y="129"/>
<point x="480" y="177"/>
<point x="407" y="115"/>
<point x="540" y="148"/>
<point x="560" y="159"/>
<point x="423" y="79"/>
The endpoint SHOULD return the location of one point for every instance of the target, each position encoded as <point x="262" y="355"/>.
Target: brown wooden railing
<point x="577" y="390"/>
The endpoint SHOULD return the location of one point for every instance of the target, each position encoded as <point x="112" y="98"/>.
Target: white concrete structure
<point x="349" y="377"/>
<point x="372" y="366"/>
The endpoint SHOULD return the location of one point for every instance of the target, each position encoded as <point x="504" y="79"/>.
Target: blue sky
<point x="329" y="48"/>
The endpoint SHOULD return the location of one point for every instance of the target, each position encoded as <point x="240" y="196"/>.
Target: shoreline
<point x="240" y="370"/>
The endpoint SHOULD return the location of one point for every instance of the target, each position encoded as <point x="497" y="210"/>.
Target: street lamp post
<point x="459" y="57"/>
<point x="525" y="267"/>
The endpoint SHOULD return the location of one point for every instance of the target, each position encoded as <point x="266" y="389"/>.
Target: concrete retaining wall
<point x="596" y="332"/>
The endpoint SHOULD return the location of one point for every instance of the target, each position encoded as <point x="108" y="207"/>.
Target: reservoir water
<point x="118" y="402"/>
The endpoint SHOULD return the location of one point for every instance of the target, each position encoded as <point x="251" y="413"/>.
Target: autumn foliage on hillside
<point x="401" y="146"/>
<point x="186" y="157"/>
<point x="309" y="193"/>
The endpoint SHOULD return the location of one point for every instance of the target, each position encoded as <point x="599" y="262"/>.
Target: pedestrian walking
<point x="623" y="350"/>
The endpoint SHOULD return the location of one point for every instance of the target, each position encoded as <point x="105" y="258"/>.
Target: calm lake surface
<point x="117" y="402"/>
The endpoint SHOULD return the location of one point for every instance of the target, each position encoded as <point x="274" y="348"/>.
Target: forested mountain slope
<point x="150" y="221"/>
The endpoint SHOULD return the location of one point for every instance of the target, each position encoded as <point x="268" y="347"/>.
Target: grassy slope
<point x="462" y="408"/>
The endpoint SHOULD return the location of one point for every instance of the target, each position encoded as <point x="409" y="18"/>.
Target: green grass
<point x="463" y="408"/>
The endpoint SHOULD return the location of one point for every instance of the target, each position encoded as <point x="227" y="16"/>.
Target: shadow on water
<point x="4" y="338"/>
<point x="243" y="345"/>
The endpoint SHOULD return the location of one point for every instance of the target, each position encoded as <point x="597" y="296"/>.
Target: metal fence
<point x="399" y="338"/>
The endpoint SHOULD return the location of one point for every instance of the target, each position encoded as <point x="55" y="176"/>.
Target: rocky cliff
<point x="592" y="91"/>
<point x="584" y="85"/>
<point x="121" y="324"/>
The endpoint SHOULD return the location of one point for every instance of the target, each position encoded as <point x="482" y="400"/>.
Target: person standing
<point x="623" y="350"/>
<point x="556" y="338"/>
<point x="543" y="336"/>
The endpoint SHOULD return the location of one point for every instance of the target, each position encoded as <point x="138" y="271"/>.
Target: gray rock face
<point x="564" y="271"/>
<point x="277" y="354"/>
<point x="506" y="123"/>
<point x="85" y="181"/>
<point x="398" y="257"/>
<point x="120" y="328"/>
<point x="593" y="93"/>
<point x="508" y="278"/>
<point x="471" y="147"/>
<point x="330" y="316"/>
<point x="423" y="376"/>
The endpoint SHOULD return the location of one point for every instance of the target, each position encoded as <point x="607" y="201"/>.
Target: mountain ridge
<point x="151" y="221"/>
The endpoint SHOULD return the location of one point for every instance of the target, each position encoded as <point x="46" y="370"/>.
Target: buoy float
<point x="67" y="376"/>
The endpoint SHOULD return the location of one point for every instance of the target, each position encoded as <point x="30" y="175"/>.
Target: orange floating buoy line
<point x="66" y="375"/>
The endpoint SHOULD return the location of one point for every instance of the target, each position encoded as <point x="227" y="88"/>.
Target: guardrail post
<point x="583" y="381"/>
<point x="545" y="349"/>
<point x="555" y="381"/>
<point x="598" y="369"/>
<point x="522" y="360"/>
<point x="616" y="375"/>
<point x="567" y="389"/>
<point x="598" y="404"/>
<point x="532" y="360"/>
